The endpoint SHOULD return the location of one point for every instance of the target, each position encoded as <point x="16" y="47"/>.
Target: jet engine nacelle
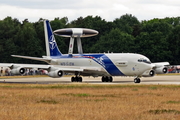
<point x="18" y="71"/>
<point x="148" y="73"/>
<point x="56" y="73"/>
<point x="161" y="70"/>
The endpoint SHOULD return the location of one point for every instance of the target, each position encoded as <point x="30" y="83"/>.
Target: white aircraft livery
<point x="105" y="65"/>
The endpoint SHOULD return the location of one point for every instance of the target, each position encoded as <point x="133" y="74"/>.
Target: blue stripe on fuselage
<point x="106" y="63"/>
<point x="101" y="59"/>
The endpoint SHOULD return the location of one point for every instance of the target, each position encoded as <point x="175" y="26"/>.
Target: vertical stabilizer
<point x="51" y="45"/>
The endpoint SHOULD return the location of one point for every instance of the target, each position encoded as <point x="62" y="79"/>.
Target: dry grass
<point x="90" y="102"/>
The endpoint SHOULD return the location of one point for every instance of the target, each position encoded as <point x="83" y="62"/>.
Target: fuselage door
<point x="121" y="63"/>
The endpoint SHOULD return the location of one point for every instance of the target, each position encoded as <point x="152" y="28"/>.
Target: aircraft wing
<point x="160" y="64"/>
<point x="39" y="66"/>
<point x="161" y="67"/>
<point x="33" y="58"/>
<point x="18" y="69"/>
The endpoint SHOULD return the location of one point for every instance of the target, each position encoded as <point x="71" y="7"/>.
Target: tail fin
<point x="51" y="45"/>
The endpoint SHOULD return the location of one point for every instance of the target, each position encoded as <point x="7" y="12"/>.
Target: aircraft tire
<point x="103" y="79"/>
<point x="110" y="79"/>
<point x="137" y="80"/>
<point x="79" y="79"/>
<point x="72" y="79"/>
<point x="76" y="79"/>
<point x="107" y="79"/>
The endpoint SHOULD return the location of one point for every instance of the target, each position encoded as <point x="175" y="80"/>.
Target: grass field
<point x="89" y="102"/>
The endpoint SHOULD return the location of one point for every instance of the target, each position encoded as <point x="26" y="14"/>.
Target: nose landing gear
<point x="137" y="80"/>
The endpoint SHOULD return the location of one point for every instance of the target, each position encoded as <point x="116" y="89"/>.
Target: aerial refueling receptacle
<point x="75" y="32"/>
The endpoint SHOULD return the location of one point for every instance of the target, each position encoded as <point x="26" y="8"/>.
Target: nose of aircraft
<point x="152" y="65"/>
<point x="148" y="66"/>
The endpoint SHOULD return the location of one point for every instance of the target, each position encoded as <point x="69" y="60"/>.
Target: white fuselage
<point x="115" y="64"/>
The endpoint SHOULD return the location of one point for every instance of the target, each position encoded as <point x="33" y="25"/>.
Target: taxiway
<point x="90" y="80"/>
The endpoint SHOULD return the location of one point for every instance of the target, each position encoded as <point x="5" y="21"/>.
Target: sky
<point x="109" y="10"/>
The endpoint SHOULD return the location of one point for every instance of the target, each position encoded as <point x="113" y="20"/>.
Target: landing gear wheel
<point x="103" y="79"/>
<point x="107" y="79"/>
<point x="76" y="79"/>
<point x="137" y="80"/>
<point x="79" y="79"/>
<point x="110" y="79"/>
<point x="72" y="79"/>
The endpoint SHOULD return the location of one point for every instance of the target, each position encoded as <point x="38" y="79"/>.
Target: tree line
<point x="158" y="39"/>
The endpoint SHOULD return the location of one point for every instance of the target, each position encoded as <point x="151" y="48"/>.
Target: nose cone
<point x="75" y="32"/>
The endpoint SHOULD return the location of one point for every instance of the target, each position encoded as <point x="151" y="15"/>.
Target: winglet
<point x="51" y="45"/>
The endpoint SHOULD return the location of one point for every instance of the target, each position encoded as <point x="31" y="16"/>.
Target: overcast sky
<point x="73" y="9"/>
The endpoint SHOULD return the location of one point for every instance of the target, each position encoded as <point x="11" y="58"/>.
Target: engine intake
<point x="161" y="70"/>
<point x="18" y="71"/>
<point x="56" y="73"/>
<point x="148" y="73"/>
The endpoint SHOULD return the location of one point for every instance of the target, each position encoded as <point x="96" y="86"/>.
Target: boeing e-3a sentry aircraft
<point x="105" y="64"/>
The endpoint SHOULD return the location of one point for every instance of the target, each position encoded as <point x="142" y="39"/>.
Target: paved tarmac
<point x="159" y="80"/>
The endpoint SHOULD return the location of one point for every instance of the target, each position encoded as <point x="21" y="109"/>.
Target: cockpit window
<point x="144" y="60"/>
<point x="139" y="60"/>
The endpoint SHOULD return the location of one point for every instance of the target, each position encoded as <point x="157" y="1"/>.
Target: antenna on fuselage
<point x="77" y="33"/>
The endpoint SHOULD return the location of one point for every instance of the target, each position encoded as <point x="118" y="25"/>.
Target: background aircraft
<point x="105" y="65"/>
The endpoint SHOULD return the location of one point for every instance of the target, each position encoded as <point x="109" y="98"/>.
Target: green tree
<point x="62" y="42"/>
<point x="156" y="25"/>
<point x="126" y="23"/>
<point x="8" y="29"/>
<point x="153" y="45"/>
<point x="157" y="39"/>
<point x="174" y="43"/>
<point x="96" y="23"/>
<point x="115" y="41"/>
<point x="39" y="29"/>
<point x="174" y="21"/>
<point x="28" y="42"/>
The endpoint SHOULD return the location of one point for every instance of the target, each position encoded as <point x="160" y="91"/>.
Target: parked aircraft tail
<point x="51" y="45"/>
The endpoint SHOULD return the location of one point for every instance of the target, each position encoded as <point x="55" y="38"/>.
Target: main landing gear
<point x="76" y="79"/>
<point x="137" y="80"/>
<point x="104" y="79"/>
<point x="107" y="79"/>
